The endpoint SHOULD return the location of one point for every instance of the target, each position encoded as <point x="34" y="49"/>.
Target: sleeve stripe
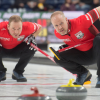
<point x="34" y="26"/>
<point x="37" y="26"/>
<point x="93" y="15"/>
<point x="96" y="12"/>
<point x="90" y="18"/>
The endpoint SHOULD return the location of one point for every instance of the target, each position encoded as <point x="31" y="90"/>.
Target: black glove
<point x="63" y="46"/>
<point x="31" y="39"/>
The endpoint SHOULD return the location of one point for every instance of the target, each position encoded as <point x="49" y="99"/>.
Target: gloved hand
<point x="31" y="39"/>
<point x="0" y="45"/>
<point x="57" y="54"/>
<point x="63" y="46"/>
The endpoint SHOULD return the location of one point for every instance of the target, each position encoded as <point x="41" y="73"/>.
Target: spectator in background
<point x="31" y="5"/>
<point x="19" y="4"/>
<point x="84" y="5"/>
<point x="75" y="2"/>
<point x="68" y="6"/>
<point x="50" y="8"/>
<point x="5" y="4"/>
<point x="96" y="3"/>
<point x="42" y="6"/>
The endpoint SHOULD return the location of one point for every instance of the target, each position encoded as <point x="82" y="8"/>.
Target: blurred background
<point x="39" y="11"/>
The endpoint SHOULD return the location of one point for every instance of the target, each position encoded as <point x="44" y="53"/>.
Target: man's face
<point x="15" y="29"/>
<point x="60" y="23"/>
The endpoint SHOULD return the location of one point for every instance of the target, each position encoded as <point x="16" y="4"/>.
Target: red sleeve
<point x="93" y="15"/>
<point x="3" y="24"/>
<point x="86" y="20"/>
<point x="32" y="27"/>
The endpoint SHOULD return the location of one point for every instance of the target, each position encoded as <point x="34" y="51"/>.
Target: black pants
<point x="73" y="59"/>
<point x="21" y="51"/>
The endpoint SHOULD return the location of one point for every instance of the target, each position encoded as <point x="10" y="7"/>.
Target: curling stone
<point x="71" y="92"/>
<point x="34" y="96"/>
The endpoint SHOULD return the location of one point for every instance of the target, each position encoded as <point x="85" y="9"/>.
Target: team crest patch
<point x="20" y="38"/>
<point x="79" y="35"/>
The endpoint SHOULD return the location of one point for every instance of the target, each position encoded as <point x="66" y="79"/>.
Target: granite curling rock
<point x="34" y="96"/>
<point x="71" y="92"/>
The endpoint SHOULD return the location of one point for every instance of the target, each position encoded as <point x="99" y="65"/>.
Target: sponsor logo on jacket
<point x="4" y="39"/>
<point x="3" y="29"/>
<point x="66" y="40"/>
<point x="20" y="38"/>
<point x="79" y="35"/>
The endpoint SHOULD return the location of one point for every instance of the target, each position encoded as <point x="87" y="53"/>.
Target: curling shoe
<point x="81" y="78"/>
<point x="19" y="77"/>
<point x="98" y="82"/>
<point x="2" y="76"/>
